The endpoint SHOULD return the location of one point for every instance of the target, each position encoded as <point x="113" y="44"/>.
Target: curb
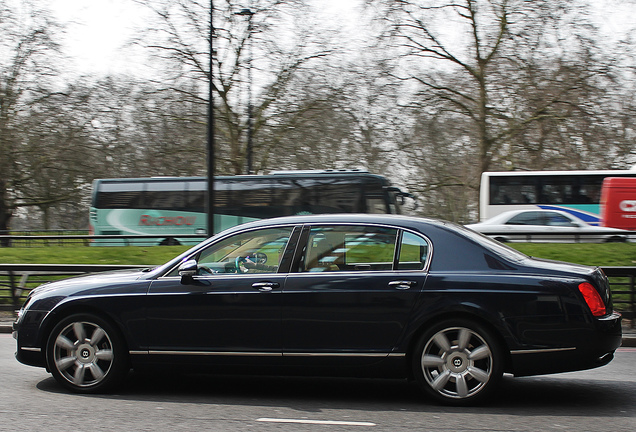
<point x="629" y="340"/>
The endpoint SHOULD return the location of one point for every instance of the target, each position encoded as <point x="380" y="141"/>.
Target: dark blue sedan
<point x="353" y="295"/>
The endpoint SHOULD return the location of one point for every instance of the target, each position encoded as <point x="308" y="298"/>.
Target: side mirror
<point x="188" y="269"/>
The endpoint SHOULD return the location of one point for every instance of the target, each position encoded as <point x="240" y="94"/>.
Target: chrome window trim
<point x="429" y="255"/>
<point x="425" y="269"/>
<point x="238" y="232"/>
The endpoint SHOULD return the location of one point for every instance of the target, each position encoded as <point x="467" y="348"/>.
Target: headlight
<point x="23" y="309"/>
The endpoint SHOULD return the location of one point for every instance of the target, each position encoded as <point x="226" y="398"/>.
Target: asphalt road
<point x="30" y="400"/>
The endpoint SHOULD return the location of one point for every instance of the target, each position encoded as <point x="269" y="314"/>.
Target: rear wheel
<point x="458" y="362"/>
<point x="86" y="354"/>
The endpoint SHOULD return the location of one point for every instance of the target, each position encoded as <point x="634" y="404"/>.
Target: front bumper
<point x="25" y="331"/>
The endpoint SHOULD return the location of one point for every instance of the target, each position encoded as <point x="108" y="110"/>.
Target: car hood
<point x="91" y="281"/>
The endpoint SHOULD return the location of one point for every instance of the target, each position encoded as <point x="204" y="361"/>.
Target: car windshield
<point x="494" y="245"/>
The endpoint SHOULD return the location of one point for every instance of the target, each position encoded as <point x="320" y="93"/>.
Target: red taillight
<point x="592" y="298"/>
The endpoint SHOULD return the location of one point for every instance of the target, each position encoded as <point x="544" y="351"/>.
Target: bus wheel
<point x="169" y="242"/>
<point x="616" y="239"/>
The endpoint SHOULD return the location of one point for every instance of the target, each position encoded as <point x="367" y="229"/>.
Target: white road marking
<point x="318" y="422"/>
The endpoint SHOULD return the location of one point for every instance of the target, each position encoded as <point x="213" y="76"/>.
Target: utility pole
<point x="210" y="134"/>
<point x="250" y="145"/>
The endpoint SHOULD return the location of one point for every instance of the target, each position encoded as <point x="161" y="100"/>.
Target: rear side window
<point x="527" y="218"/>
<point x="555" y="219"/>
<point x="349" y="248"/>
<point x="413" y="252"/>
<point x="362" y="248"/>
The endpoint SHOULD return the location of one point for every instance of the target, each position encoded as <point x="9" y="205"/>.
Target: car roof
<point x="348" y="218"/>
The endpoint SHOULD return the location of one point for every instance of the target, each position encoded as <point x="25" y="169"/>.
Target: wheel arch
<point x="66" y="310"/>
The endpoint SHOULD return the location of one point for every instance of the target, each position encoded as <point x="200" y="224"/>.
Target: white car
<point x="545" y="226"/>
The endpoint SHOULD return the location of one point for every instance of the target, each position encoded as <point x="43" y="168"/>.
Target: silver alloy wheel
<point x="83" y="353"/>
<point x="457" y="363"/>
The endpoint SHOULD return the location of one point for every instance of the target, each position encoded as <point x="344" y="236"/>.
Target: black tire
<point x="458" y="362"/>
<point x="170" y="241"/>
<point x="616" y="239"/>
<point x="86" y="354"/>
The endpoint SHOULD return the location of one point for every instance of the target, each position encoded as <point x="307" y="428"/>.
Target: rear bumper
<point x="589" y="349"/>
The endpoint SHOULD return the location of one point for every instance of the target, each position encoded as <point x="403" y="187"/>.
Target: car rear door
<point x="352" y="293"/>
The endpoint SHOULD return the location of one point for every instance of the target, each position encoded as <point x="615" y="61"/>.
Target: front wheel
<point x="86" y="354"/>
<point x="458" y="362"/>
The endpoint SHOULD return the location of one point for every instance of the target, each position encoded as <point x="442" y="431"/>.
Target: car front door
<point x="352" y="293"/>
<point x="229" y="311"/>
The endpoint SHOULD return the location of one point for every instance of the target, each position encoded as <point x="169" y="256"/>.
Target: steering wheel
<point x="244" y="263"/>
<point x="258" y="257"/>
<point x="240" y="264"/>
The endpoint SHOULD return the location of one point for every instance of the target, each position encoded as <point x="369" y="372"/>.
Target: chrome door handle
<point x="265" y="286"/>
<point x="402" y="284"/>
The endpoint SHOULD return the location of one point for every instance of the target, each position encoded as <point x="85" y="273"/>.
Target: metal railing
<point x="565" y="236"/>
<point x="70" y="239"/>
<point x="98" y="240"/>
<point x="16" y="280"/>
<point x="623" y="286"/>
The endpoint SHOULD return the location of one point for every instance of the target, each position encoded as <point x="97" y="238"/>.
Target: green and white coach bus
<point x="172" y="206"/>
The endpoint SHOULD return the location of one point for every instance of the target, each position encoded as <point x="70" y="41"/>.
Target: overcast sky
<point x="98" y="29"/>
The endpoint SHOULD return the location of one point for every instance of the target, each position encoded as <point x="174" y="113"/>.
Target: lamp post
<point x="210" y="131"/>
<point x="249" y="14"/>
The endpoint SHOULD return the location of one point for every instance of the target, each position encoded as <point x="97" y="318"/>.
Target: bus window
<point x="172" y="206"/>
<point x="576" y="192"/>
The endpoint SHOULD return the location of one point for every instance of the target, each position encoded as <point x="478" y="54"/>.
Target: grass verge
<point x="604" y="254"/>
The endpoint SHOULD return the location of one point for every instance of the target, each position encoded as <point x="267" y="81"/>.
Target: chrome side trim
<point x="380" y="355"/>
<point x="263" y="354"/>
<point x="539" y="351"/>
<point x="217" y="353"/>
<point x="32" y="349"/>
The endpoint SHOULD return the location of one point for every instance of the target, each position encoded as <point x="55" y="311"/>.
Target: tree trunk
<point x="5" y="215"/>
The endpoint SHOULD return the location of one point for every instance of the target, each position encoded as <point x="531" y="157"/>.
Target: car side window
<point x="560" y="220"/>
<point x="527" y="218"/>
<point x="349" y="248"/>
<point x="413" y="252"/>
<point x="259" y="251"/>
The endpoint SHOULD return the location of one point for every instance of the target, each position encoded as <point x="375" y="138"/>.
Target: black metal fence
<point x="16" y="280"/>
<point x="73" y="238"/>
<point x="39" y="240"/>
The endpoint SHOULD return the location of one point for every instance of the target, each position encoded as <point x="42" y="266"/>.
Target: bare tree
<point x="511" y="74"/>
<point x="263" y="38"/>
<point x="27" y="45"/>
